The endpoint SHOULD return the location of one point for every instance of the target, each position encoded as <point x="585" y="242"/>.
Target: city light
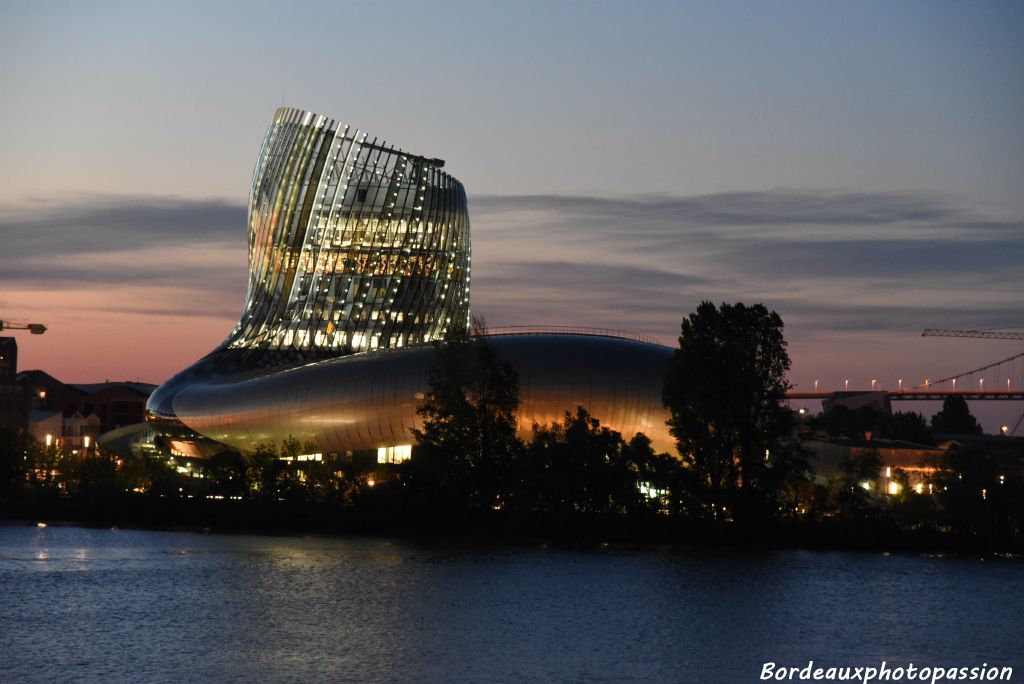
<point x="49" y="440"/>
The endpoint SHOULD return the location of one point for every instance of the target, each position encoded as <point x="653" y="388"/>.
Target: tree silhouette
<point x="725" y="388"/>
<point x="955" y="418"/>
<point x="468" y="438"/>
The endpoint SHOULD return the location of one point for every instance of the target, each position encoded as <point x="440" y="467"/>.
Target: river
<point x="82" y="604"/>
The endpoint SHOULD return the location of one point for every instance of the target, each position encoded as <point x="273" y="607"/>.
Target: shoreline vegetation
<point x="742" y="475"/>
<point x="140" y="512"/>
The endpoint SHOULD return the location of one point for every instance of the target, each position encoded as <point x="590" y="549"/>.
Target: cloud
<point x="717" y="221"/>
<point x="125" y="256"/>
<point x="776" y="207"/>
<point x="56" y="228"/>
<point x="825" y="260"/>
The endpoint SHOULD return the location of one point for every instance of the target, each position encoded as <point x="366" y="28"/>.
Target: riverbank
<point x="255" y="516"/>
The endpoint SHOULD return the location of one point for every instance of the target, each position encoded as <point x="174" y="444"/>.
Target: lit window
<point x="394" y="454"/>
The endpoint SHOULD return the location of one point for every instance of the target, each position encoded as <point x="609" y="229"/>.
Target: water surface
<point x="122" y="605"/>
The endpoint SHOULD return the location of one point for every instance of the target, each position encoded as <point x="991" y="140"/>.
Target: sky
<point x="856" y="166"/>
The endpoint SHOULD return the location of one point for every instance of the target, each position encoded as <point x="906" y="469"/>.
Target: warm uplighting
<point x="49" y="440"/>
<point x="888" y="471"/>
<point x="370" y="482"/>
<point x="919" y="488"/>
<point x="87" y="440"/>
<point x="894" y="488"/>
<point x="866" y="484"/>
<point x="42" y="394"/>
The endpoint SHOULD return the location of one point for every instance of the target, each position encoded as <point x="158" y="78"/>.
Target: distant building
<point x="67" y="414"/>
<point x="13" y="404"/>
<point x="918" y="461"/>
<point x="855" y="401"/>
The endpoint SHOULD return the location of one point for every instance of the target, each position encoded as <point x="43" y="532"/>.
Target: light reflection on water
<point x="123" y="605"/>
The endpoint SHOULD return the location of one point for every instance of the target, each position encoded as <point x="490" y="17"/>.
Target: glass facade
<point x="353" y="244"/>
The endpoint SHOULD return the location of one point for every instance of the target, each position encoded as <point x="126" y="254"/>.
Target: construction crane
<point x="978" y="334"/>
<point x="34" y="328"/>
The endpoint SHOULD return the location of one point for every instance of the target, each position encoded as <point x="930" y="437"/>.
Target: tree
<point x="955" y="418"/>
<point x="909" y="426"/>
<point x="468" y="437"/>
<point x="581" y="466"/>
<point x="859" y="473"/>
<point x="725" y="387"/>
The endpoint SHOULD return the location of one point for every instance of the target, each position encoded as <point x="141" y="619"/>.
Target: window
<point x="394" y="454"/>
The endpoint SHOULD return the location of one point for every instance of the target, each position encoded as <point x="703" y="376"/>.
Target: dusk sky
<point x="857" y="167"/>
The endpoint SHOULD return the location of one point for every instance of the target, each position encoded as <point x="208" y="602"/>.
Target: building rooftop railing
<point x="571" y="330"/>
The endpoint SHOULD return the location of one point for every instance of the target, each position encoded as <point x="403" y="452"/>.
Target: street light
<point x="1004" y="429"/>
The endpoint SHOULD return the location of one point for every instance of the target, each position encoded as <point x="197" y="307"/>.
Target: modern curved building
<point x="359" y="258"/>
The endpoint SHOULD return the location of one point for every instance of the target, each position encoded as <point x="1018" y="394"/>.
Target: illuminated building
<point x="359" y="257"/>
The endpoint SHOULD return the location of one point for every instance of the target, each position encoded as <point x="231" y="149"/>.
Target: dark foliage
<point x="725" y="389"/>
<point x="955" y="418"/>
<point x="468" y="441"/>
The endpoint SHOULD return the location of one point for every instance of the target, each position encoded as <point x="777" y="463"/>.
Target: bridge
<point x="1001" y="380"/>
<point x="914" y="394"/>
<point x="1004" y="378"/>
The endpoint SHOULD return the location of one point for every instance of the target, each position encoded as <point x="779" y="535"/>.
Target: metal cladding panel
<point x="366" y="401"/>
